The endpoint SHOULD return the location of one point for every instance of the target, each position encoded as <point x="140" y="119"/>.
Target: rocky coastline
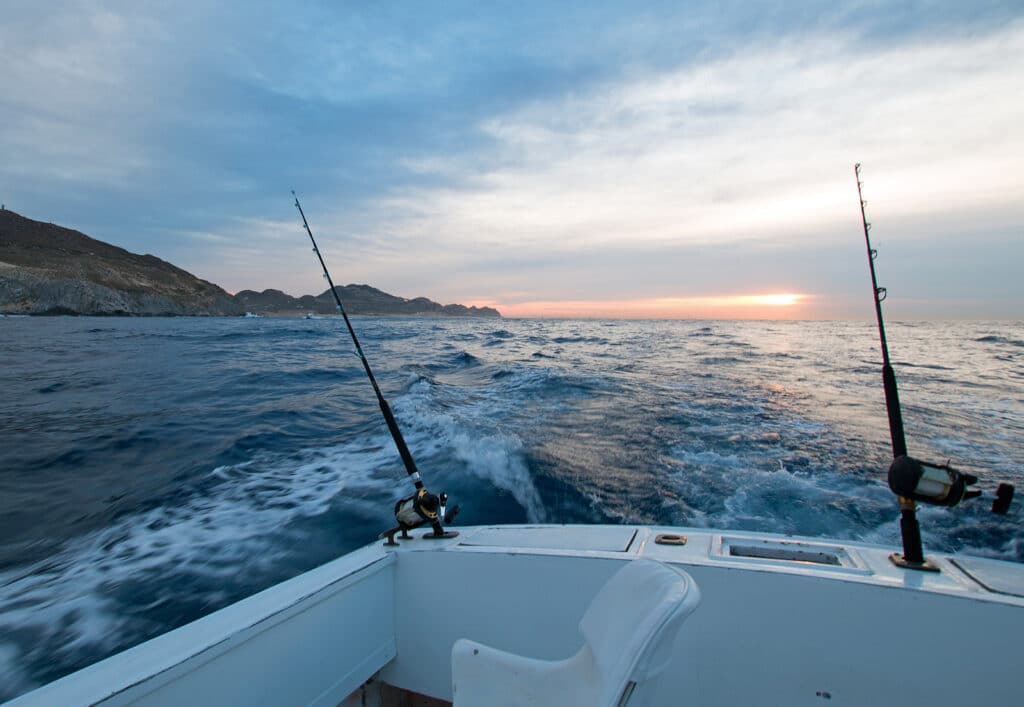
<point x="46" y="269"/>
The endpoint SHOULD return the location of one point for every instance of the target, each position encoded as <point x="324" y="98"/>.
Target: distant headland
<point x="48" y="269"/>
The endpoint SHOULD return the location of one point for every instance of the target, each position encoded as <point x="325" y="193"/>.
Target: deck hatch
<point x="786" y="552"/>
<point x="999" y="577"/>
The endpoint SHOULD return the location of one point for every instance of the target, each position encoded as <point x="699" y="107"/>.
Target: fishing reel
<point x="420" y="509"/>
<point x="940" y="485"/>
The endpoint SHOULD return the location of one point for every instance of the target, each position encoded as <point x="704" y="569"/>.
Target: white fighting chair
<point x="628" y="631"/>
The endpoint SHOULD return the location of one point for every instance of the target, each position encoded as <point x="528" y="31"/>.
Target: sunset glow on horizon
<point x="762" y="306"/>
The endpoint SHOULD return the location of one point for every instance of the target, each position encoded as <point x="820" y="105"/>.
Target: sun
<point x="779" y="300"/>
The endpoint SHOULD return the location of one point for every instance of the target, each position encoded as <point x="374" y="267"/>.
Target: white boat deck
<point x="782" y="621"/>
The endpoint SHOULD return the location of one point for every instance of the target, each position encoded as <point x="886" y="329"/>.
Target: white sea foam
<point x="67" y="603"/>
<point x="744" y="491"/>
<point x="498" y="458"/>
<point x="469" y="437"/>
<point x="237" y="526"/>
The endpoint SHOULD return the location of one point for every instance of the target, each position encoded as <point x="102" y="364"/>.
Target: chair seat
<point x="628" y="631"/>
<point x="499" y="679"/>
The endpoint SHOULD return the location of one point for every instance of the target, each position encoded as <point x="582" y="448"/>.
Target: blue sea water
<point x="154" y="470"/>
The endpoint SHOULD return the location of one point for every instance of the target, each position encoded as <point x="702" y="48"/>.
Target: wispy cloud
<point x="756" y="147"/>
<point x="753" y="145"/>
<point x="577" y="152"/>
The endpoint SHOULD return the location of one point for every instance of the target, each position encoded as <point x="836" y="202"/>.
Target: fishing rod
<point x="910" y="479"/>
<point x="892" y="397"/>
<point x="423" y="506"/>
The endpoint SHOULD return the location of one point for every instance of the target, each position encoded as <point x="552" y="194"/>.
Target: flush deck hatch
<point x="786" y="552"/>
<point x="555" y="537"/>
<point x="999" y="577"/>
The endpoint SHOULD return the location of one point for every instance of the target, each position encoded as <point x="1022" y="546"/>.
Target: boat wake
<point x="220" y="458"/>
<point x="234" y="532"/>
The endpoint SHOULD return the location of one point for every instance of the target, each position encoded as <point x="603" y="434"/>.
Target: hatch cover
<point x="999" y="577"/>
<point x="555" y="537"/>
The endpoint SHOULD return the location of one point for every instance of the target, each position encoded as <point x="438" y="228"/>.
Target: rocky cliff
<point x="47" y="269"/>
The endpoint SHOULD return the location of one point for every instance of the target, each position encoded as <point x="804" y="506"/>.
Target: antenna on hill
<point x="910" y="479"/>
<point x="422" y="507"/>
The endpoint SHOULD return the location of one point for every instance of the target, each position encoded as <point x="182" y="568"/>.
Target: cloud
<point x="72" y="104"/>
<point x="756" y="147"/>
<point x="577" y="151"/>
<point x="748" y="146"/>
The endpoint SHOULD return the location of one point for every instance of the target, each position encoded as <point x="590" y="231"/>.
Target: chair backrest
<point x="631" y="624"/>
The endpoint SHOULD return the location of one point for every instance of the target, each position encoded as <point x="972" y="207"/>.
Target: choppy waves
<point x="157" y="470"/>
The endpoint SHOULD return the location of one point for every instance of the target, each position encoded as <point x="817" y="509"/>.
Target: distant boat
<point x="253" y="315"/>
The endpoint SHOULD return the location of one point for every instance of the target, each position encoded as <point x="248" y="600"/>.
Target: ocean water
<point x="154" y="470"/>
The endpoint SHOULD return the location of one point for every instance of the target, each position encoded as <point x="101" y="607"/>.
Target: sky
<point x="594" y="159"/>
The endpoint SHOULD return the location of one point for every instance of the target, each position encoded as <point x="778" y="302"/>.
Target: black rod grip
<point x="892" y="406"/>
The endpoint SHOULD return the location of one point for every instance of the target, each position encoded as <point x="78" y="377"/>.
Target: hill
<point x="358" y="299"/>
<point x="48" y="269"/>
